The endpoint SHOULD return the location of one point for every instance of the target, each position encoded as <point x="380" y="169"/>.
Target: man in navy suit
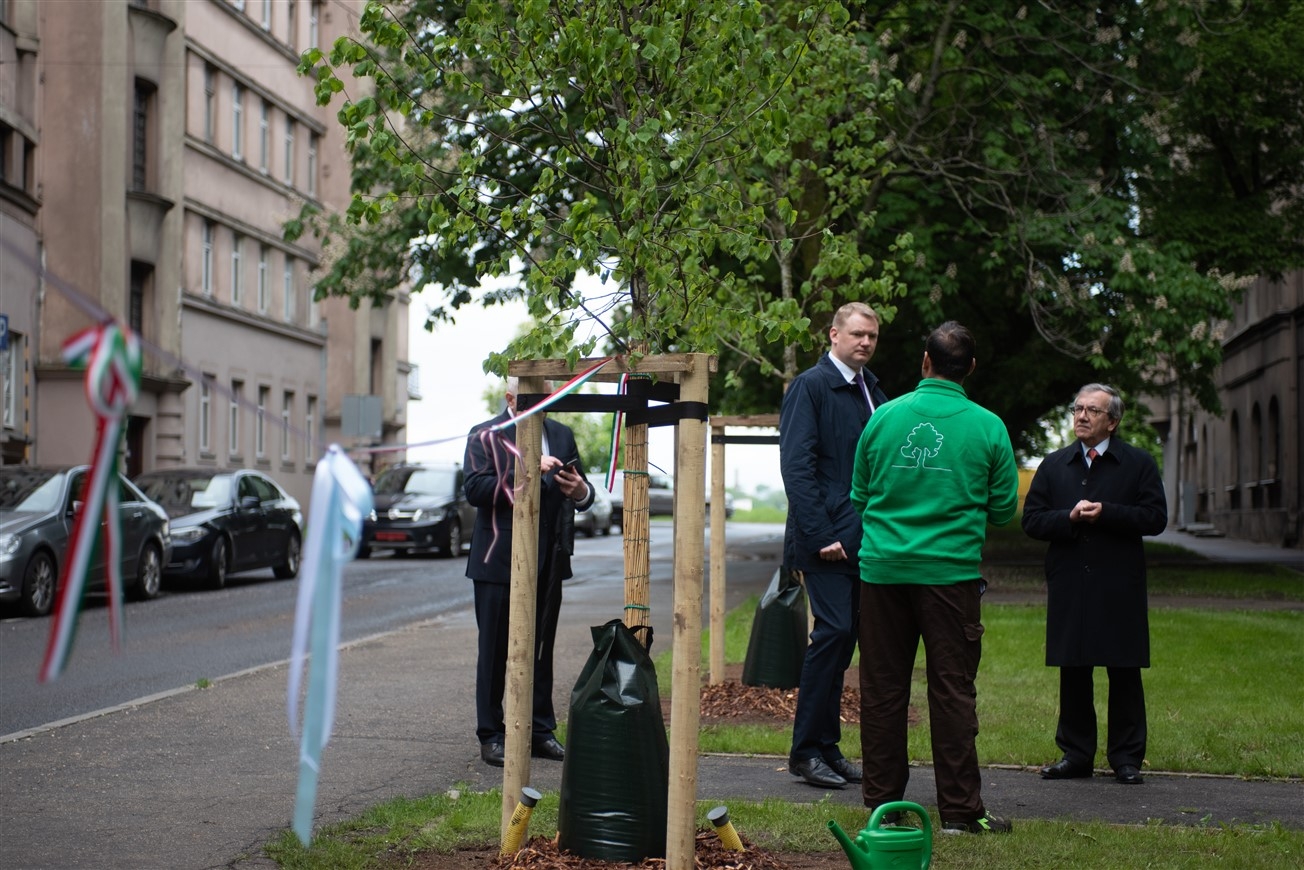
<point x="823" y="413"/>
<point x="490" y="476"/>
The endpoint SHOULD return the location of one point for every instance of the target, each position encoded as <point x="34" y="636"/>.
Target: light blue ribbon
<point x="341" y="497"/>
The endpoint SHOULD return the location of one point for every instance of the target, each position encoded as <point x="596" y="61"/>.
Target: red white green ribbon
<point x="112" y="358"/>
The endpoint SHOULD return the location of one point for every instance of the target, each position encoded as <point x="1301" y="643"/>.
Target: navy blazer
<point x="820" y="422"/>
<point x="490" y="473"/>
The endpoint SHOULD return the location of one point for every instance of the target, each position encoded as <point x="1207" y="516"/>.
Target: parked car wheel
<point x="149" y="576"/>
<point x="364" y="552"/>
<point x="290" y="567"/>
<point x="38" y="585"/>
<point x="454" y="547"/>
<point x="219" y="563"/>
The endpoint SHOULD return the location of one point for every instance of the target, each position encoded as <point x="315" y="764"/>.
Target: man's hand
<point x="833" y="552"/>
<point x="1085" y="512"/>
<point x="571" y="483"/>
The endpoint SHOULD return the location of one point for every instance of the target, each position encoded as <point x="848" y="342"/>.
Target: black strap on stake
<point x="668" y="415"/>
<point x="744" y="439"/>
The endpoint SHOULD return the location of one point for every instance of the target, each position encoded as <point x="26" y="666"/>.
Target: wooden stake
<point x="518" y="706"/>
<point x="717" y="556"/>
<point x="686" y="680"/>
<point x="637" y="532"/>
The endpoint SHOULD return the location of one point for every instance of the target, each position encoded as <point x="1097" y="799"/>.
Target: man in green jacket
<point x="932" y="469"/>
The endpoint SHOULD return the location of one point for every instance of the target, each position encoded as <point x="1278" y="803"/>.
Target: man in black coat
<point x="490" y="477"/>
<point x="1093" y="501"/>
<point x="823" y="413"/>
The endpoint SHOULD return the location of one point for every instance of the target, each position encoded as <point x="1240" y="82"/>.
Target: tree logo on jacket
<point x="922" y="444"/>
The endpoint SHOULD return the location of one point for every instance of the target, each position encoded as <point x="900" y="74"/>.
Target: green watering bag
<point x="777" y="646"/>
<point x="615" y="778"/>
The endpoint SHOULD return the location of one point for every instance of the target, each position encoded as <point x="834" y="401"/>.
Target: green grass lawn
<point x="1222" y="696"/>
<point x="1213" y="671"/>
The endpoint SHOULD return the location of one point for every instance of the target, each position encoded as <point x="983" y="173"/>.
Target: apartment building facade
<point x="167" y="141"/>
<point x="1241" y="473"/>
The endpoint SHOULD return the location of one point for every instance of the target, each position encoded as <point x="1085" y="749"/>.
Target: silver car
<point x="38" y="508"/>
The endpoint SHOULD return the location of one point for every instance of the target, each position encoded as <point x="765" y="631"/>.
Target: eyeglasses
<point x="1090" y="411"/>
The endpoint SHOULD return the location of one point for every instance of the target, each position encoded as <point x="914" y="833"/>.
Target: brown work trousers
<point x="893" y="619"/>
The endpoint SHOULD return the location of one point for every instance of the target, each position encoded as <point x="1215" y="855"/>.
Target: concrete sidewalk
<point x="203" y="779"/>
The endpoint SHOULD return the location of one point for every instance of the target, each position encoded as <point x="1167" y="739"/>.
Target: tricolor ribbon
<point x="490" y="436"/>
<point x="112" y="358"/>
<point x="341" y="497"/>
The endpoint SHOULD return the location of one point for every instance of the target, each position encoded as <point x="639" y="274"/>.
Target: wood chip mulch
<point x="733" y="700"/>
<point x="708" y="854"/>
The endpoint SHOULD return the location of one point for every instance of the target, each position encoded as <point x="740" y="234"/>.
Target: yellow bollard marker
<point x="724" y="829"/>
<point x="520" y="821"/>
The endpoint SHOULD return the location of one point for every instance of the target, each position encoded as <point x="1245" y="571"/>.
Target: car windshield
<point x="182" y="494"/>
<point x="417" y="481"/>
<point x="34" y="490"/>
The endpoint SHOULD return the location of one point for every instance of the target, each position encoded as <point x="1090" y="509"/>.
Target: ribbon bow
<point x="341" y="497"/>
<point x="112" y="358"/>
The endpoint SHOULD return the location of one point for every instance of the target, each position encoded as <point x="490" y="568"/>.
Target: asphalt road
<point x="188" y="634"/>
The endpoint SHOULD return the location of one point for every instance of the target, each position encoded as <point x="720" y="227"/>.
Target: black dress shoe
<point x="845" y="769"/>
<point x="817" y="772"/>
<point x="492" y="754"/>
<point x="1128" y="774"/>
<point x="1065" y="769"/>
<point x="547" y="747"/>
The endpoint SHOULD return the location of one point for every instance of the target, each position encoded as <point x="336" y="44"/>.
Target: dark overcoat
<point x="1096" y="572"/>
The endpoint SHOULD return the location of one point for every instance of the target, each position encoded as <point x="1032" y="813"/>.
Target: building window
<point x="314" y="24"/>
<point x="265" y="137"/>
<point x="142" y="109"/>
<point x="312" y="164"/>
<point x="287" y="407"/>
<point x="310" y="429"/>
<point x="206" y="259"/>
<point x="210" y="103"/>
<point x="237" y="276"/>
<point x="11" y="363"/>
<point x="289" y="151"/>
<point x="238" y="4"/>
<point x="267" y="15"/>
<point x="237" y="122"/>
<point x="290" y="35"/>
<point x="289" y="289"/>
<point x="233" y="421"/>
<point x="142" y="276"/>
<point x="260" y="423"/>
<point x="314" y="309"/>
<point x="264" y="288"/>
<point x="205" y="415"/>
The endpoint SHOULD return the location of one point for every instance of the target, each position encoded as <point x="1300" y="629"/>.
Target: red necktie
<point x="1092" y="454"/>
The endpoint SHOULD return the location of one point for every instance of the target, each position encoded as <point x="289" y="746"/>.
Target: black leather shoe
<point x="845" y="769"/>
<point x="547" y="747"/>
<point x="492" y="754"/>
<point x="1065" y="769"/>
<point x="817" y="772"/>
<point x="1128" y="774"/>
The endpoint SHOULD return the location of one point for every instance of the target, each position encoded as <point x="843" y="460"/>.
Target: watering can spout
<point x="859" y="860"/>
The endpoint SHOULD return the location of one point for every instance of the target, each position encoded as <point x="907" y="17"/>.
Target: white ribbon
<point x="341" y="497"/>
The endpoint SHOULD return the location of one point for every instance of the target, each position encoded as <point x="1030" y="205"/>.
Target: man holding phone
<point x="489" y="466"/>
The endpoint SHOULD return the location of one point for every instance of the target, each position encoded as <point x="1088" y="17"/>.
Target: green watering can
<point x="889" y="847"/>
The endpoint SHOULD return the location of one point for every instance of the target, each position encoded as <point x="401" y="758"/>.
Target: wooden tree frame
<point x="691" y="373"/>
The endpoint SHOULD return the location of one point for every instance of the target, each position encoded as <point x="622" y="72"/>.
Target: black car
<point x="38" y="507"/>
<point x="225" y="522"/>
<point x="419" y="509"/>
